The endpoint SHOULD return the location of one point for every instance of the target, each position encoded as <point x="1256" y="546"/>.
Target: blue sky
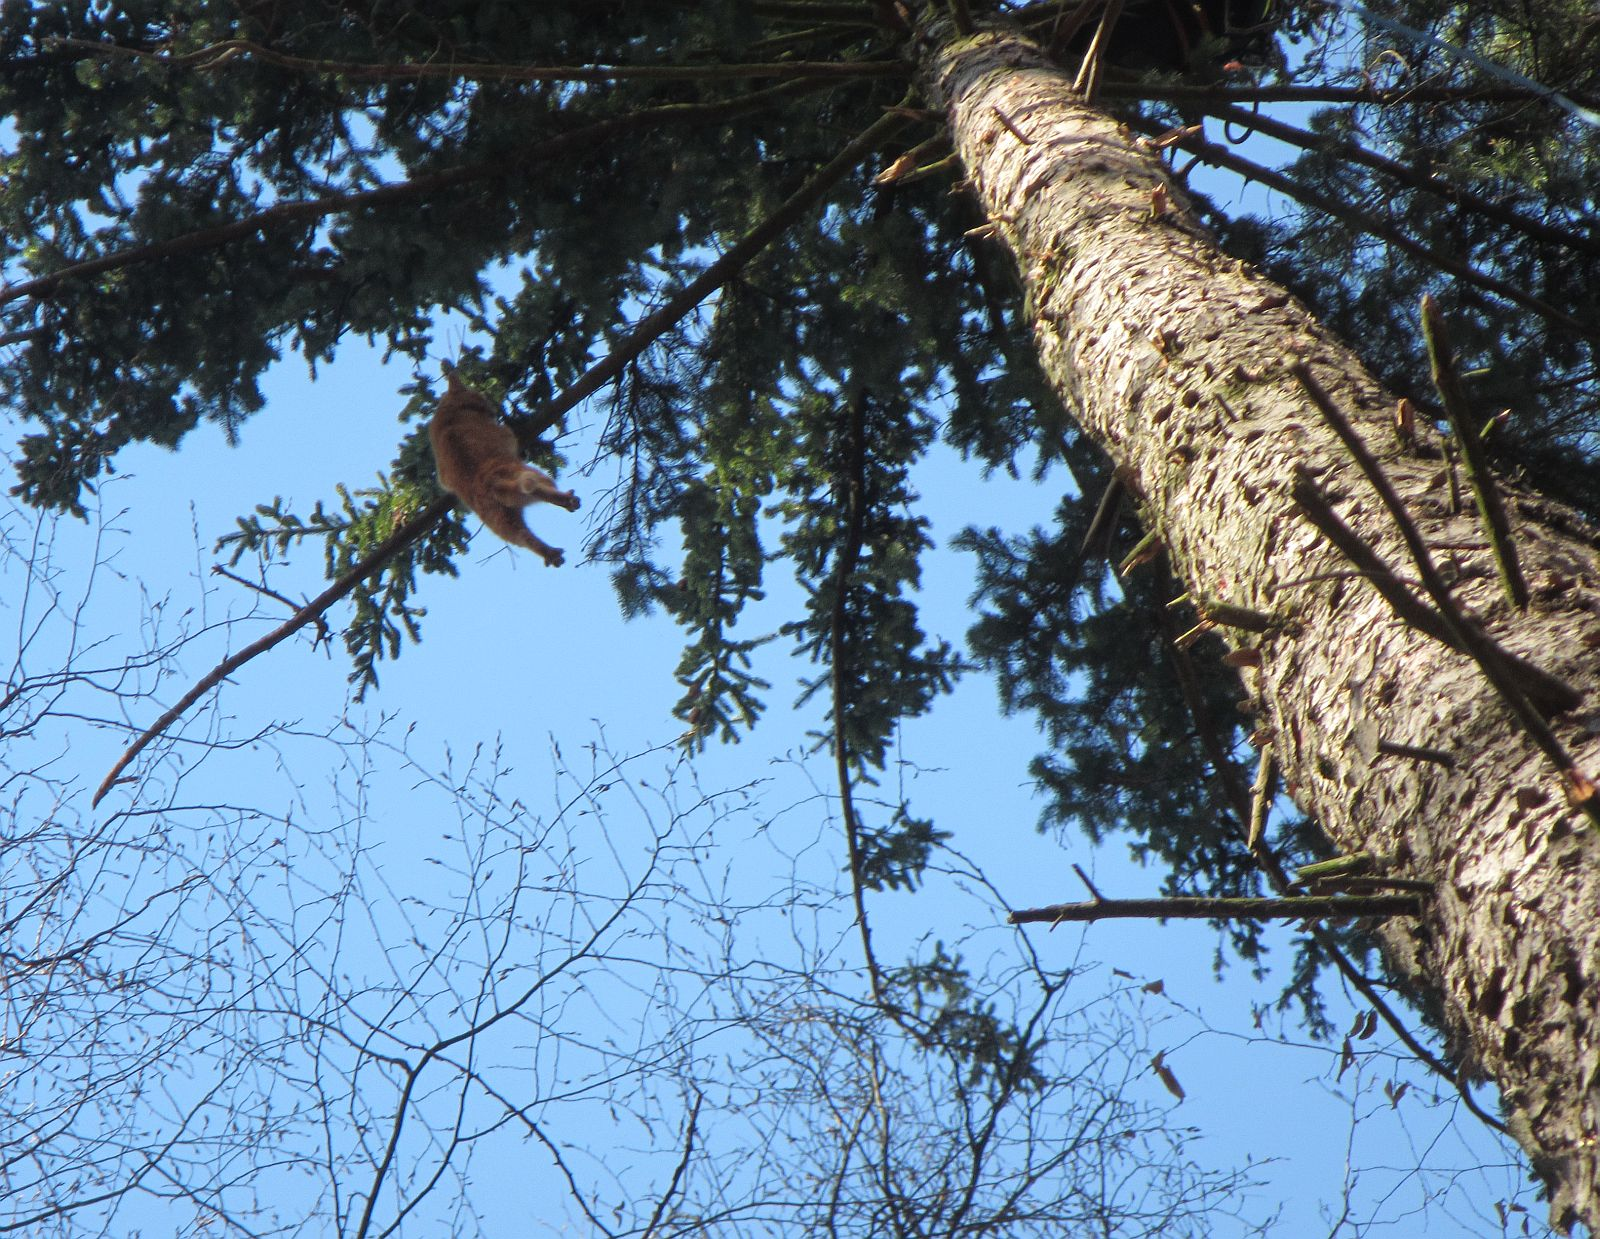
<point x="540" y="663"/>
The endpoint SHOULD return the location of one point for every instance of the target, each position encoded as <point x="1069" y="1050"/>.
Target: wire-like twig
<point x="322" y="627"/>
<point x="643" y="334"/>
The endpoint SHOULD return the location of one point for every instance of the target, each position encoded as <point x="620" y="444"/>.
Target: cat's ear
<point x="454" y="386"/>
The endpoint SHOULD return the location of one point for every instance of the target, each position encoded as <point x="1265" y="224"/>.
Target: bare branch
<point x="1224" y="908"/>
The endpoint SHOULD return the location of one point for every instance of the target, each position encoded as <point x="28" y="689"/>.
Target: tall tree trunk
<point x="1177" y="360"/>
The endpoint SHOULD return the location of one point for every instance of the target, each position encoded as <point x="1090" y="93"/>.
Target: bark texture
<point x="1176" y="359"/>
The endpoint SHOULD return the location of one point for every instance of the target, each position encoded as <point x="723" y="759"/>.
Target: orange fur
<point x="478" y="461"/>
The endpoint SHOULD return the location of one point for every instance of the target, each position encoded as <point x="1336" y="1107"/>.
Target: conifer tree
<point x="782" y="243"/>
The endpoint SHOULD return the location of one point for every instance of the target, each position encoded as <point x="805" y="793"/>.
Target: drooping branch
<point x="644" y="333"/>
<point x="848" y="556"/>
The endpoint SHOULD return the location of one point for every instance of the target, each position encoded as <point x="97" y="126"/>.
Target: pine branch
<point x="849" y="554"/>
<point x="1364" y="221"/>
<point x="578" y="140"/>
<point x="1535" y="229"/>
<point x="645" y="333"/>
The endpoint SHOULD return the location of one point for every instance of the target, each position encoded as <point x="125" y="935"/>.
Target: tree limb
<point x="644" y="334"/>
<point x="1224" y="908"/>
<point x="401" y="191"/>
<point x="216" y="55"/>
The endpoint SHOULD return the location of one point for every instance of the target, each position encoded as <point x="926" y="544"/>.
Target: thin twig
<point x="219" y="570"/>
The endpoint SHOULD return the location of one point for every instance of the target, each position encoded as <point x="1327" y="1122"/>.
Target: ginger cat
<point x="478" y="461"/>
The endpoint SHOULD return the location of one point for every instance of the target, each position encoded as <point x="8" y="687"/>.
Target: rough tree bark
<point x="1177" y="360"/>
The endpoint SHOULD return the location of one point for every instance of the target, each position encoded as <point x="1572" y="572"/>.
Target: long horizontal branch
<point x="1221" y="908"/>
<point x="645" y="333"/>
<point x="582" y="139"/>
<point x="216" y="55"/>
